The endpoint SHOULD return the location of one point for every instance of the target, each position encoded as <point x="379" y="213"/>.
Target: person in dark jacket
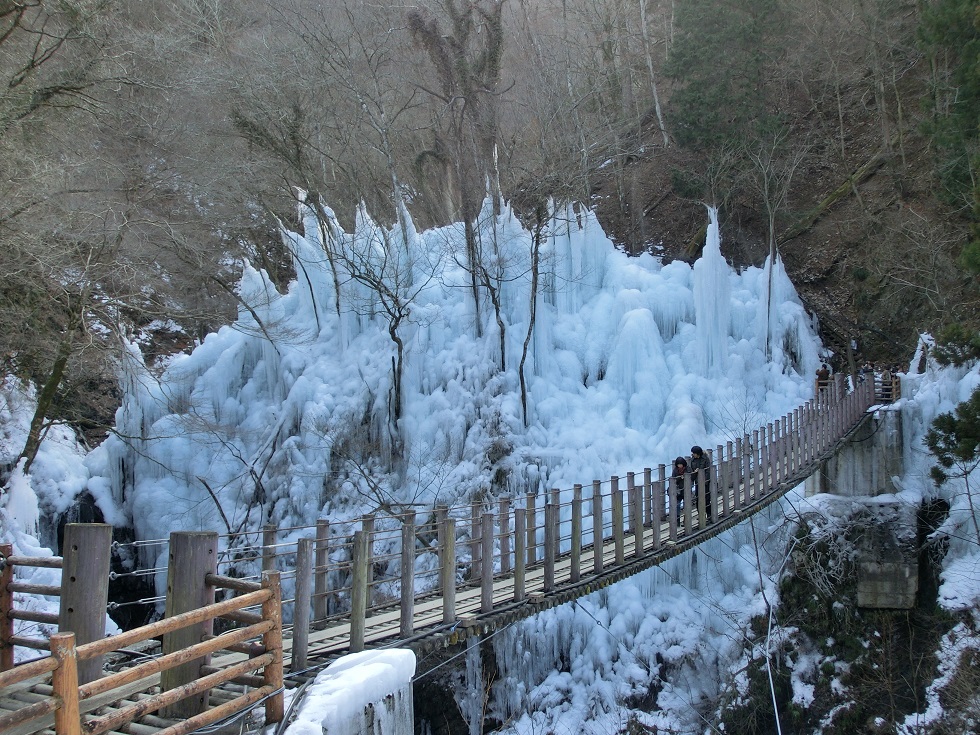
<point x="680" y="469"/>
<point x="700" y="461"/>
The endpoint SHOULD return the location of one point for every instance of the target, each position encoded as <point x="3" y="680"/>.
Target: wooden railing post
<point x="359" y="589"/>
<point x="777" y="452"/>
<point x="520" y="553"/>
<point x="85" y="588"/>
<point x="476" y="542"/>
<point x="688" y="504"/>
<point x="630" y="502"/>
<point x="301" y="605"/>
<point x="598" y="531"/>
<point x="636" y="515"/>
<point x="575" y="569"/>
<point x="486" y="571"/>
<point x="765" y="447"/>
<point x="504" y="523"/>
<point x="674" y="496"/>
<point x="550" y="545"/>
<point x="698" y="479"/>
<point x="648" y="496"/>
<point x="657" y="501"/>
<point x="321" y="578"/>
<point x="756" y="477"/>
<point x="6" y="606"/>
<point x="719" y="488"/>
<point x="268" y="547"/>
<point x="64" y="684"/>
<point x="532" y="546"/>
<point x="728" y="478"/>
<point x="367" y="526"/>
<point x="617" y="519"/>
<point x="447" y="563"/>
<point x="272" y="675"/>
<point x="192" y="556"/>
<point x="407" y="621"/>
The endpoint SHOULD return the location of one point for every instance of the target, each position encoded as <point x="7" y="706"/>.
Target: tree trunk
<point x="46" y="399"/>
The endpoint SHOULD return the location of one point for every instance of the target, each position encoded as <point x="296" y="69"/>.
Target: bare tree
<point x="467" y="63"/>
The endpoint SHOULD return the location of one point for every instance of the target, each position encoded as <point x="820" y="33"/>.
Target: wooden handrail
<point x="113" y="720"/>
<point x="127" y="676"/>
<point x="99" y="648"/>
<point x="47" y="562"/>
<point x="31" y="669"/>
<point x="28" y="713"/>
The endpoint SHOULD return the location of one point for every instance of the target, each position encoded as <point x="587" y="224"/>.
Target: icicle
<point x="712" y="302"/>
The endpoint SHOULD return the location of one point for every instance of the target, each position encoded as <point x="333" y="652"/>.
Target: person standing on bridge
<point x="680" y="469"/>
<point x="700" y="461"/>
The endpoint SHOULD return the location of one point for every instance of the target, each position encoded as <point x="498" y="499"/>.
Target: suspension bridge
<point x="223" y="649"/>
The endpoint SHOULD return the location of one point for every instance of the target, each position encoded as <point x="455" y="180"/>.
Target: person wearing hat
<point x="680" y="469"/>
<point x="700" y="461"/>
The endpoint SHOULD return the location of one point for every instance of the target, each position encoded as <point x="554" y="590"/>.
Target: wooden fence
<point x="70" y="681"/>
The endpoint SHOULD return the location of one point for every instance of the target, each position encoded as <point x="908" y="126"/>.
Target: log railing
<point x="68" y="696"/>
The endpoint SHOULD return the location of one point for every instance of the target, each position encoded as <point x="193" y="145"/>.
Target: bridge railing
<point x="517" y="538"/>
<point x="68" y="695"/>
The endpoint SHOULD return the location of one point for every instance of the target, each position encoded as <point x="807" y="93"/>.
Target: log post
<point x="504" y="523"/>
<point x="550" y="545"/>
<point x="717" y="475"/>
<point x="700" y="477"/>
<point x="630" y="502"/>
<point x="738" y="473"/>
<point x="268" y="547"/>
<point x="575" y="569"/>
<point x="476" y="542"/>
<point x="367" y="526"/>
<point x="272" y="641"/>
<point x="192" y="556"/>
<point x="486" y="576"/>
<point x="617" y="519"/>
<point x="321" y="572"/>
<point x="648" y="496"/>
<point x="531" y="531"/>
<point x="636" y="517"/>
<point x="407" y="604"/>
<point x="87" y="552"/>
<point x="657" y="498"/>
<point x="674" y="495"/>
<point x="6" y="606"/>
<point x="64" y="684"/>
<point x="597" y="527"/>
<point x="301" y="605"/>
<point x="779" y="451"/>
<point x="688" y="503"/>
<point x="447" y="563"/>
<point x="359" y="589"/>
<point x="520" y="553"/>
<point x="756" y="453"/>
<point x="728" y="480"/>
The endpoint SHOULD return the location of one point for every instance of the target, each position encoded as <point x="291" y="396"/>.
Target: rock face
<point x="867" y="464"/>
<point x="887" y="559"/>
